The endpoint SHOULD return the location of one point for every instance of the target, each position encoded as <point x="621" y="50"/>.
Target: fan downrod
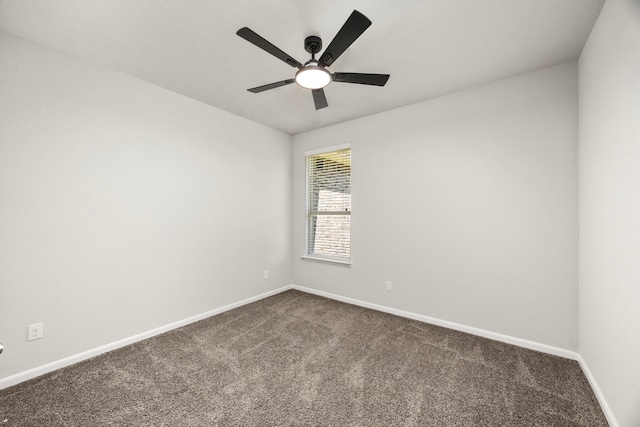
<point x="313" y="44"/>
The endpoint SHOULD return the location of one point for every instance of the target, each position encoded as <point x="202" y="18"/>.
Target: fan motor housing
<point x="313" y="44"/>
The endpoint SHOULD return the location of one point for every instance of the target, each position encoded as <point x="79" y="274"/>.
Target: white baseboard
<point x="596" y="389"/>
<point x="58" y="364"/>
<point x="568" y="354"/>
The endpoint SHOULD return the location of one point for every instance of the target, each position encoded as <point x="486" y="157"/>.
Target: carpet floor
<point x="296" y="359"/>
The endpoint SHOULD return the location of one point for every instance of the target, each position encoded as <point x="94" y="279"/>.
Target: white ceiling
<point x="430" y="48"/>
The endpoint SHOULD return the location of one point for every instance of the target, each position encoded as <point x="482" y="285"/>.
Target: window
<point x="329" y="205"/>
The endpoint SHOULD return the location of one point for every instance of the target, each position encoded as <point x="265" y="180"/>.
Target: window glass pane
<point x="333" y="201"/>
<point x="329" y="204"/>
<point x="332" y="235"/>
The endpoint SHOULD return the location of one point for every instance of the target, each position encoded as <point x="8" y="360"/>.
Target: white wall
<point x="610" y="207"/>
<point x="467" y="203"/>
<point x="125" y="207"/>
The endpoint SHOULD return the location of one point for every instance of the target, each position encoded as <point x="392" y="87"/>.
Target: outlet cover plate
<point x="36" y="331"/>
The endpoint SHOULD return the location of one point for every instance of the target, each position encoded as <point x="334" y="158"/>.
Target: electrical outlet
<point x="266" y="274"/>
<point x="387" y="285"/>
<point x="36" y="331"/>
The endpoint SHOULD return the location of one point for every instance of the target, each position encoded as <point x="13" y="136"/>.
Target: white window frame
<point x="318" y="257"/>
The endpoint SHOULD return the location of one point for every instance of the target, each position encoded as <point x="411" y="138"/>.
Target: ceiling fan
<point x="314" y="74"/>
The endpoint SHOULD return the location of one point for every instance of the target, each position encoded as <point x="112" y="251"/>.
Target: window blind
<point x="329" y="204"/>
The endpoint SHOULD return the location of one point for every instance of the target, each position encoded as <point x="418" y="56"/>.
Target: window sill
<point x="326" y="260"/>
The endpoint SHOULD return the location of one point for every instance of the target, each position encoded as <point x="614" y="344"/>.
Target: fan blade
<point x="350" y="31"/>
<point x="263" y="44"/>
<point x="271" y="86"/>
<point x="361" y="78"/>
<point x="319" y="99"/>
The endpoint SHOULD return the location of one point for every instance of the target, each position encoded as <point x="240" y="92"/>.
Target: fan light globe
<point x="311" y="76"/>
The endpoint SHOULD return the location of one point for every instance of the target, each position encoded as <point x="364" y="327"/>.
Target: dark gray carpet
<point x="296" y="359"/>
